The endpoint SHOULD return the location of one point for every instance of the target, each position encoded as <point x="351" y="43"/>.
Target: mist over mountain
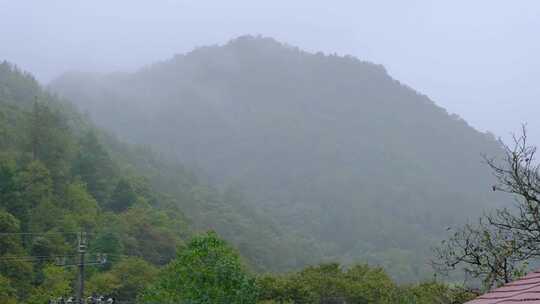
<point x="59" y="173"/>
<point x="329" y="147"/>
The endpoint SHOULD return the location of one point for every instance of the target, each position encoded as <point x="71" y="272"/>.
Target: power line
<point x="99" y="257"/>
<point x="43" y="257"/>
<point x="60" y="260"/>
<point x="137" y="256"/>
<point x="40" y="233"/>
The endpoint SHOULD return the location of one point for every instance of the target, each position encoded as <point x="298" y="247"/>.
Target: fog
<point x="477" y="59"/>
<point x="311" y="151"/>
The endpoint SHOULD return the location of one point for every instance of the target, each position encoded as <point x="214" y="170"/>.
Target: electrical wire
<point x="42" y="233"/>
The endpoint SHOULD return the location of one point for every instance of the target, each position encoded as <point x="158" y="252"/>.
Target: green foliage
<point x="50" y="140"/>
<point x="82" y="207"/>
<point x="7" y="292"/>
<point x="104" y="283"/>
<point x="368" y="285"/>
<point x="358" y="284"/>
<point x="330" y="283"/>
<point x="56" y="283"/>
<point x="8" y="169"/>
<point x="95" y="167"/>
<point x="123" y="196"/>
<point x="324" y="282"/>
<point x="340" y="159"/>
<point x="281" y="289"/>
<point x="16" y="274"/>
<point x="17" y="86"/>
<point x="109" y="240"/>
<point x="9" y="224"/>
<point x="149" y="233"/>
<point x="58" y="176"/>
<point x="207" y="271"/>
<point x="125" y="280"/>
<point x="33" y="187"/>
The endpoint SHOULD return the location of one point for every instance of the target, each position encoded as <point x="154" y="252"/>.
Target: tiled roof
<point x="524" y="290"/>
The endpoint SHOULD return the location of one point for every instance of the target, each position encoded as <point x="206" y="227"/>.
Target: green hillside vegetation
<point x="60" y="175"/>
<point x="210" y="271"/>
<point x="328" y="148"/>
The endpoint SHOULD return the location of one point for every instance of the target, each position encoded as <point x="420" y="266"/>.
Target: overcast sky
<point x="479" y="59"/>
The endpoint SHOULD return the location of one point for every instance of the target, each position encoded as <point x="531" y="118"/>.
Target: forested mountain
<point x="329" y="147"/>
<point x="60" y="175"/>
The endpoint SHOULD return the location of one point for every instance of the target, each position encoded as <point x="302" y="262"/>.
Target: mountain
<point x="329" y="147"/>
<point x="60" y="175"/>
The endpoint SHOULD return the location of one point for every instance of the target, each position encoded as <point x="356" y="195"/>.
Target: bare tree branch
<point x="497" y="249"/>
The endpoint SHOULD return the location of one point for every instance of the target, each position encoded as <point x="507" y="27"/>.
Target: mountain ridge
<point x="331" y="147"/>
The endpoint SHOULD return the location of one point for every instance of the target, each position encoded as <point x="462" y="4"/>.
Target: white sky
<point x="479" y="59"/>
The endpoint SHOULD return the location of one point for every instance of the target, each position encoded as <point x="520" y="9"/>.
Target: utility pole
<point x="81" y="262"/>
<point x="82" y="251"/>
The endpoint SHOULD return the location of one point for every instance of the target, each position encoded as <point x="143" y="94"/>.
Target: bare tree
<point x="498" y="248"/>
<point x="484" y="252"/>
<point x="519" y="175"/>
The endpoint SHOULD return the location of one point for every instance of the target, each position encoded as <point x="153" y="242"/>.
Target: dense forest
<point x="60" y="175"/>
<point x="318" y="157"/>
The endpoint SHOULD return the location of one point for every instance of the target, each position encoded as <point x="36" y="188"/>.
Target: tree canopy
<point x="340" y="155"/>
<point x="207" y="271"/>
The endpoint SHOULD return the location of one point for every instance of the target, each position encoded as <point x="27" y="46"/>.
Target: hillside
<point x="59" y="175"/>
<point x="330" y="148"/>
